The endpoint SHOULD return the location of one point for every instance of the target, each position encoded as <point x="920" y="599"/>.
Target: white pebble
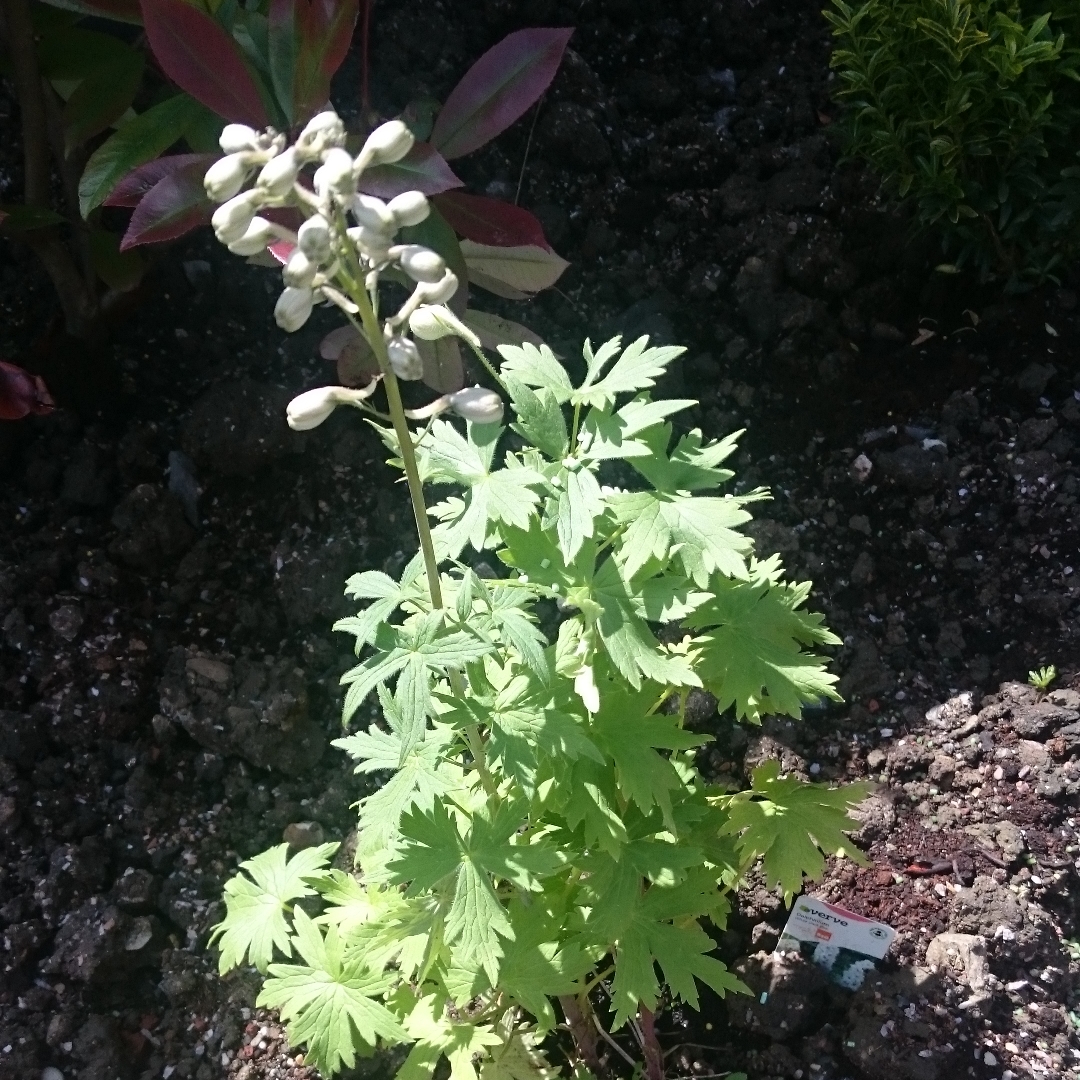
<point x="51" y="1072"/>
<point x="989" y="1059"/>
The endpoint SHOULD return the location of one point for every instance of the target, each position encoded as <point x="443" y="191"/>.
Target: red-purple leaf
<point x="176" y="204"/>
<point x="22" y="393"/>
<point x="423" y="168"/>
<point x="130" y="190"/>
<point x="498" y="89"/>
<point x="200" y="56"/>
<point x="491" y="221"/>
<point x="308" y="40"/>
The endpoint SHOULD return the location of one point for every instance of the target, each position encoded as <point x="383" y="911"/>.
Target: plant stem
<point x="650" y="1045"/>
<point x="581" y="1030"/>
<point x="405" y="443"/>
<point x="372" y="330"/>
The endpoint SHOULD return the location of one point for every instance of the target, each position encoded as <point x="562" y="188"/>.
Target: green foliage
<point x="1042" y="678"/>
<point x="969" y="108"/>
<point x="544" y="828"/>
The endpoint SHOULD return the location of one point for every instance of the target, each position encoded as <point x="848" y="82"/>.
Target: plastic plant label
<point x="843" y="944"/>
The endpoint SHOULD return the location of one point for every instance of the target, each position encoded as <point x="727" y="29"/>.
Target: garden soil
<point x="172" y="558"/>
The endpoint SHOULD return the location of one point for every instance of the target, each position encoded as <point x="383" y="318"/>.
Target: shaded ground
<point x="168" y="681"/>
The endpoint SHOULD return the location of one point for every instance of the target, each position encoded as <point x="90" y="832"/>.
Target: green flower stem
<point x="405" y="444"/>
<point x="373" y="332"/>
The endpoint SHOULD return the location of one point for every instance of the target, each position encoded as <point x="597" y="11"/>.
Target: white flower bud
<point x="225" y="177"/>
<point x="409" y="208"/>
<point x="373" y="245"/>
<point x="279" y="174"/>
<point x="309" y="409"/>
<point x="231" y="219"/>
<point x="293" y="308"/>
<point x="438" y="292"/>
<point x="388" y="143"/>
<point x="373" y="213"/>
<point x="299" y="271"/>
<point x="420" y="263"/>
<point x="260" y="234"/>
<point x="431" y="322"/>
<point x="236" y="138"/>
<point x="313" y="238"/>
<point x="322" y="131"/>
<point x="426" y="324"/>
<point x="334" y="176"/>
<point x="477" y="405"/>
<point x="405" y="358"/>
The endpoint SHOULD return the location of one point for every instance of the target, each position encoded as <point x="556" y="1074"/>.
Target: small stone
<point x="51" y="1072"/>
<point x="214" y="670"/>
<point x="303" y="834"/>
<point x="66" y="621"/>
<point x="989" y="1059"/>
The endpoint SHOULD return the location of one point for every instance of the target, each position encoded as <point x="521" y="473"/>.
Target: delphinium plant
<point x="545" y="853"/>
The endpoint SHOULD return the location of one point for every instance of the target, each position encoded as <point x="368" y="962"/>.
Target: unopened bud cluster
<point x="345" y="229"/>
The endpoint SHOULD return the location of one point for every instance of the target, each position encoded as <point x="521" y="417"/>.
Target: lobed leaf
<point x="256" y="902"/>
<point x="790" y="824"/>
<point x="329" y="1003"/>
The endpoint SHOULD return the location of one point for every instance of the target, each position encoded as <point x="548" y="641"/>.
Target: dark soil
<point x="168" y="681"/>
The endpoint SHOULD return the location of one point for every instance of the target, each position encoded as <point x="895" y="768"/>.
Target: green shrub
<point x="968" y="110"/>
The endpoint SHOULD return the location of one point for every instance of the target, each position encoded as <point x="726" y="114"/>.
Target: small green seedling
<point x="1042" y="678"/>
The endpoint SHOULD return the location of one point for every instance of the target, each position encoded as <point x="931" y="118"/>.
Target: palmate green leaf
<point x="540" y="418"/>
<point x="655" y="924"/>
<point x="403" y="931"/>
<point x="537" y="368"/>
<point x="589" y="802"/>
<point x="606" y="436"/>
<point x="691" y="465"/>
<point x="521" y="723"/>
<point x="670" y="522"/>
<point x="791" y="824"/>
<point x="415" y="653"/>
<point x="421" y="774"/>
<point x="682" y="953"/>
<point x="465" y="855"/>
<point x="500" y="609"/>
<point x="750" y="654"/>
<point x="540" y="961"/>
<point x="628" y="731"/>
<point x="387" y="595"/>
<point x="436" y="1035"/>
<point x="578" y="506"/>
<point x="491" y="496"/>
<point x="631" y="645"/>
<point x="518" y="1055"/>
<point x="256" y="901"/>
<point x="329" y="1002"/>
<point x="636" y="369"/>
